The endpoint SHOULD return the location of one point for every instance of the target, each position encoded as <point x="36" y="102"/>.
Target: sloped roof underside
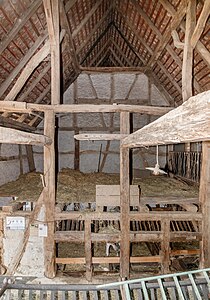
<point x="98" y="33"/>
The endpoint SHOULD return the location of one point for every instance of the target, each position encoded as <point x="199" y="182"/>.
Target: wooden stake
<point x="30" y="157"/>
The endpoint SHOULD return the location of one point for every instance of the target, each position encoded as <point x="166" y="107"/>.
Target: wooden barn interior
<point x="104" y="137"/>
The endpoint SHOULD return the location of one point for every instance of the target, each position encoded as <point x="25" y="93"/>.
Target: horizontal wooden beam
<point x="143" y="216"/>
<point x="99" y="137"/>
<point x="90" y="70"/>
<point x="83" y="108"/>
<point x="14" y="136"/>
<point x="187" y="123"/>
<point x="106" y="260"/>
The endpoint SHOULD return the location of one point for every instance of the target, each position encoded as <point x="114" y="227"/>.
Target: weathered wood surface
<point x="99" y="137"/>
<point x="14" y="136"/>
<point x="204" y="197"/>
<point x="189" y="122"/>
<point x="83" y="108"/>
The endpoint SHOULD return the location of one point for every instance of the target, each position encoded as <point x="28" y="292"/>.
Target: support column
<point x="124" y="200"/>
<point x="204" y="199"/>
<point x="49" y="195"/>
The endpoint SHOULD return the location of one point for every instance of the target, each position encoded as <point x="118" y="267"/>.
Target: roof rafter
<point x="19" y="24"/>
<point x="204" y="53"/>
<point x="87" y="17"/>
<point x="165" y="38"/>
<point x="200" y="23"/>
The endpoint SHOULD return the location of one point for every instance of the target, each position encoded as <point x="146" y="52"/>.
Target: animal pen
<point x="94" y="96"/>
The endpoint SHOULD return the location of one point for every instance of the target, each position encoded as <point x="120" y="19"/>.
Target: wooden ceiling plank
<point x="19" y="24"/>
<point x="52" y="16"/>
<point x="200" y="24"/>
<point x="204" y="53"/>
<point x="65" y="24"/>
<point x="187" y="65"/>
<point x="22" y="63"/>
<point x="14" y="136"/>
<point x="87" y="17"/>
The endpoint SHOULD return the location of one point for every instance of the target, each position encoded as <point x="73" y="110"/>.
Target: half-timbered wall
<point x="103" y="89"/>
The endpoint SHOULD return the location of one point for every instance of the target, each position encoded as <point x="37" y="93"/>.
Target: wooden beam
<point x="99" y="137"/>
<point x="52" y="16"/>
<point x="71" y="46"/>
<point x="14" y="136"/>
<point x="93" y="70"/>
<point x="165" y="38"/>
<point x="204" y="53"/>
<point x="184" y="124"/>
<point x="124" y="200"/>
<point x="7" y="122"/>
<point x="22" y="63"/>
<point x="187" y="66"/>
<point x="200" y="24"/>
<point x="49" y="195"/>
<point x="94" y="30"/>
<point x="30" y="158"/>
<point x="87" y="17"/>
<point x="19" y="24"/>
<point x="204" y="196"/>
<point x="83" y="108"/>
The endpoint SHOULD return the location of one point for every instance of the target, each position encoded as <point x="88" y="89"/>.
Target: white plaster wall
<point x="10" y="169"/>
<point x="32" y="261"/>
<point x="135" y="88"/>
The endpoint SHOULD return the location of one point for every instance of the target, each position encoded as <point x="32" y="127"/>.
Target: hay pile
<point x="75" y="186"/>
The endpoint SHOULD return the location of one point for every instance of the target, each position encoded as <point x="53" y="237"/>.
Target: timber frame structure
<point x="166" y="40"/>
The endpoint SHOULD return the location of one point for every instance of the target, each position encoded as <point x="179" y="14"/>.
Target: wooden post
<point x="187" y="67"/>
<point x="165" y="246"/>
<point x="30" y="157"/>
<point x="52" y="16"/>
<point x="124" y="200"/>
<point x="49" y="195"/>
<point x="88" y="250"/>
<point x="204" y="198"/>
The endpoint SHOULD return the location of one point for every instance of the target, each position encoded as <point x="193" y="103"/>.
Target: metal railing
<point x="185" y="285"/>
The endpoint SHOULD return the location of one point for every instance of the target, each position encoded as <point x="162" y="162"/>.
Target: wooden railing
<point x="165" y="234"/>
<point x="185" y="164"/>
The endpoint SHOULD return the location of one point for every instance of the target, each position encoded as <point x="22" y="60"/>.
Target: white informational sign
<point x="15" y="223"/>
<point x="43" y="230"/>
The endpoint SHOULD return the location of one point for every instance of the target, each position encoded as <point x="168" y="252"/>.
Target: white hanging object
<point x="156" y="170"/>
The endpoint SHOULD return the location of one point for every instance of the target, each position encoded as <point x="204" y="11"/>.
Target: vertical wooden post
<point x="21" y="159"/>
<point x="124" y="199"/>
<point x="187" y="66"/>
<point x="49" y="195"/>
<point x="204" y="199"/>
<point x="52" y="16"/>
<point x="165" y="246"/>
<point x="88" y="250"/>
<point x="30" y="157"/>
<point x="76" y="130"/>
